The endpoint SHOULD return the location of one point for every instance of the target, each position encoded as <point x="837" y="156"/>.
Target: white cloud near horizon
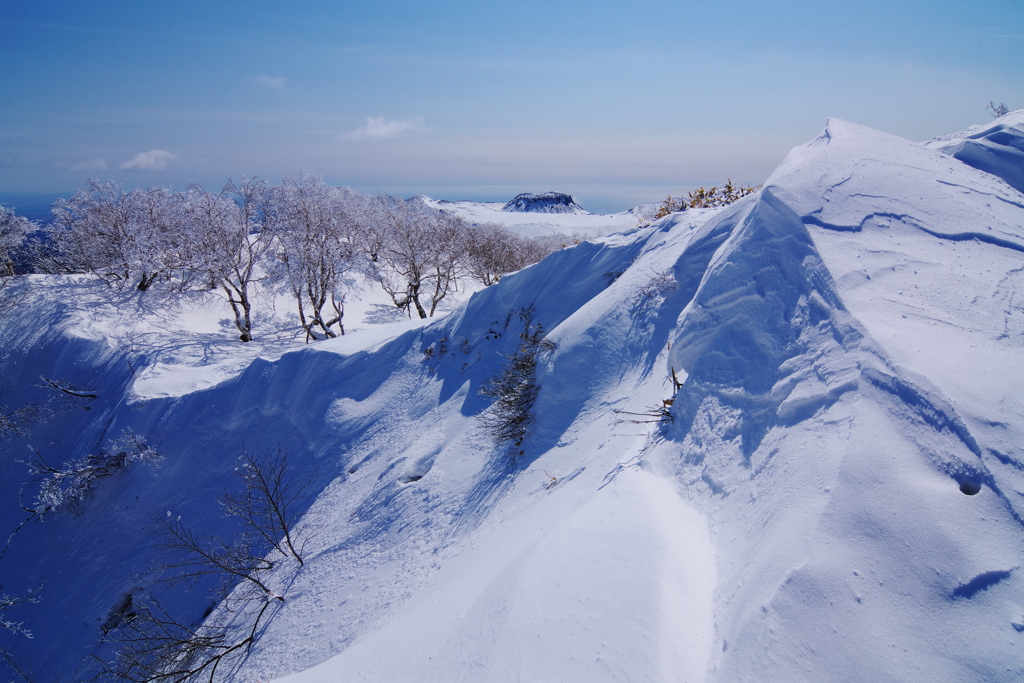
<point x="153" y="160"/>
<point x="381" y="128"/>
<point x="275" y="82"/>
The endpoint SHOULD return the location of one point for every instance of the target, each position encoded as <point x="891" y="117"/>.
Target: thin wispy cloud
<point x="153" y="160"/>
<point x="90" y="165"/>
<point x="275" y="82"/>
<point x="381" y="128"/>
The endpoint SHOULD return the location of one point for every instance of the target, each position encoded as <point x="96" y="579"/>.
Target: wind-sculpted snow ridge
<point x="774" y="442"/>
<point x="996" y="148"/>
<point x="845" y="428"/>
<point x="546" y="202"/>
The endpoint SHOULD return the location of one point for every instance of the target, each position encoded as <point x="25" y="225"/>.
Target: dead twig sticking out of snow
<point x="67" y="389"/>
<point x="657" y="414"/>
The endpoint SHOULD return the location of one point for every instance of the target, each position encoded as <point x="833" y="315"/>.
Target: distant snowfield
<point x="540" y="224"/>
<point x="834" y="493"/>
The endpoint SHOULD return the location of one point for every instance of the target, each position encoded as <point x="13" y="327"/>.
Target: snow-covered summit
<point x="546" y="202"/>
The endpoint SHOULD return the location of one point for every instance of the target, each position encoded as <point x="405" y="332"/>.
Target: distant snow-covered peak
<point x="546" y="202"/>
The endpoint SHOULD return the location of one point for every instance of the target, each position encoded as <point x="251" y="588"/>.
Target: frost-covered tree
<point x="492" y="251"/>
<point x="229" y="236"/>
<point x="16" y="422"/>
<point x="14" y="229"/>
<point x="93" y="231"/>
<point x="9" y="603"/>
<point x="67" y="487"/>
<point x="160" y="244"/>
<point x="417" y="253"/>
<point x="321" y="241"/>
<point x="123" y="237"/>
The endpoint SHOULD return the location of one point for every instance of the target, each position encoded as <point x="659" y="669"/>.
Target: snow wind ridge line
<point x="909" y="220"/>
<point x="968" y="236"/>
<point x="1007" y="200"/>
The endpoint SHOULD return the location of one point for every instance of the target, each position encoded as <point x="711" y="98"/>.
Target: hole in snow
<point x="969" y="488"/>
<point x="418" y="469"/>
<point x="981" y="582"/>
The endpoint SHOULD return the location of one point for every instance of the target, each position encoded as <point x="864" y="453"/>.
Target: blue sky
<point x="615" y="102"/>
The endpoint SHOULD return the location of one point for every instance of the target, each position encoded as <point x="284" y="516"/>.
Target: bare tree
<point x="266" y="504"/>
<point x="156" y="645"/>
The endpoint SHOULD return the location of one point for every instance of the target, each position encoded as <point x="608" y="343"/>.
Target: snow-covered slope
<point x="834" y="493"/>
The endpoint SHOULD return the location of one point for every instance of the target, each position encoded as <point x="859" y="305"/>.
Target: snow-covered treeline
<point x="304" y="237"/>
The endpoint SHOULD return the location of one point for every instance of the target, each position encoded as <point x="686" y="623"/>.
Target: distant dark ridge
<point x="548" y="202"/>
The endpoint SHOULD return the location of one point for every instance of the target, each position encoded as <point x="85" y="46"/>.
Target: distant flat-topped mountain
<point x="547" y="202"/>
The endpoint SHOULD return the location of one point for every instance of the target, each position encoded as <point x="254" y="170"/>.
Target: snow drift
<point x="833" y="491"/>
<point x="996" y="148"/>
